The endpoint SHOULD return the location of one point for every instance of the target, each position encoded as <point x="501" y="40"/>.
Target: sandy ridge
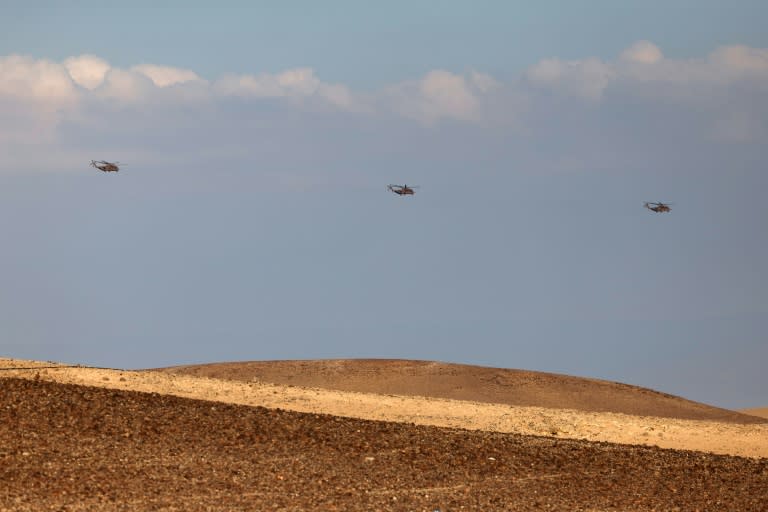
<point x="463" y="382"/>
<point x="708" y="436"/>
<point x="761" y="412"/>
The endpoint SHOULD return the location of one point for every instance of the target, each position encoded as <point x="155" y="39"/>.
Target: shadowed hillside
<point x="465" y="382"/>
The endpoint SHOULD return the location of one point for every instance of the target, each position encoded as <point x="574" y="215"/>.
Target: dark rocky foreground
<point x="65" y="447"/>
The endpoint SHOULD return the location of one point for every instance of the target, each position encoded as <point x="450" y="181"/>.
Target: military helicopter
<point x="658" y="207"/>
<point x="105" y="166"/>
<point x="402" y="190"/>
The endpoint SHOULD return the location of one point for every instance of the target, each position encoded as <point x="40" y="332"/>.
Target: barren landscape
<point x="365" y="435"/>
<point x="762" y="412"/>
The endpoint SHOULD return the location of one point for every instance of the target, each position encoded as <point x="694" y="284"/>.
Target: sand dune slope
<point x="747" y="439"/>
<point x="469" y="383"/>
<point x="761" y="412"/>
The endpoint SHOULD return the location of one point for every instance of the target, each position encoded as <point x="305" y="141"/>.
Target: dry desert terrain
<point x="761" y="412"/>
<point x="365" y="435"/>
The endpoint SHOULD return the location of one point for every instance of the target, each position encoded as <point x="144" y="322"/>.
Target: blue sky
<point x="251" y="220"/>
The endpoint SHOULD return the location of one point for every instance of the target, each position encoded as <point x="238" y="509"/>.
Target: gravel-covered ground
<point x="67" y="447"/>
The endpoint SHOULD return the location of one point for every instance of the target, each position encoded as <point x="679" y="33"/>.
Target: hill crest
<point x="467" y="382"/>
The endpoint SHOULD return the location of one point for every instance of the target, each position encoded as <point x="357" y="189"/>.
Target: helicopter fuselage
<point x="105" y="166"/>
<point x="401" y="190"/>
<point x="658" y="207"/>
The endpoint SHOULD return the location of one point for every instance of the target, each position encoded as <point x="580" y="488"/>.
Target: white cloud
<point x="247" y="85"/>
<point x="642" y="71"/>
<point x="722" y="96"/>
<point x="446" y="94"/>
<point x="482" y="82"/>
<point x="340" y="96"/>
<point x="644" y="52"/>
<point x="33" y="94"/>
<point x="129" y="86"/>
<point x="87" y="70"/>
<point x="41" y="81"/>
<point x="294" y="84"/>
<point x="299" y="82"/>
<point x="741" y="58"/>
<point x="439" y="95"/>
<point x="164" y="76"/>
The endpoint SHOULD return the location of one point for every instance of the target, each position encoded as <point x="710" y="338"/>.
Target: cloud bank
<point x="721" y="97"/>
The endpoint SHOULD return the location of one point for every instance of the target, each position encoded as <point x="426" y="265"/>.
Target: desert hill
<point x="466" y="382"/>
<point x="74" y="447"/>
<point x="74" y="437"/>
<point x="761" y="412"/>
<point x="729" y="434"/>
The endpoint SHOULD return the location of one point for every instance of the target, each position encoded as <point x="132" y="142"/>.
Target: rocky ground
<point x="252" y="436"/>
<point x="70" y="447"/>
